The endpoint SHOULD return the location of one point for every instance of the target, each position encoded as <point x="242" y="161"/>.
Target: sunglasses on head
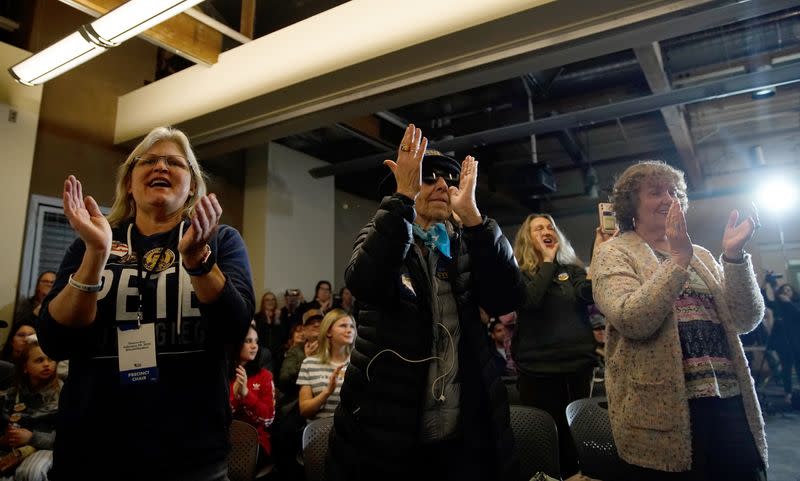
<point x="431" y="177"/>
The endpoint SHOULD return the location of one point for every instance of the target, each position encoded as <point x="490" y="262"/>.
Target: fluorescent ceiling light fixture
<point x="777" y="195"/>
<point x="56" y="59"/>
<point x="113" y="28"/>
<point x="134" y="17"/>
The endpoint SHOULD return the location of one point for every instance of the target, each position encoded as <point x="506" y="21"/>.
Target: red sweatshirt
<point x="258" y="407"/>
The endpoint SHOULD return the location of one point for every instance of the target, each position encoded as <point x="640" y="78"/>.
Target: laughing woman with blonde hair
<point x="554" y="346"/>
<point x="144" y="305"/>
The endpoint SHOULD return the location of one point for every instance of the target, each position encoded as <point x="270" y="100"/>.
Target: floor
<point x="783" y="436"/>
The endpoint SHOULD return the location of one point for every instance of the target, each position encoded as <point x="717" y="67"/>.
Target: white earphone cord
<point x="415" y="361"/>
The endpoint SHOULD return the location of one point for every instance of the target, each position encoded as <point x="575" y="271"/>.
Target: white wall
<point x="16" y="161"/>
<point x="288" y="220"/>
<point x="352" y="214"/>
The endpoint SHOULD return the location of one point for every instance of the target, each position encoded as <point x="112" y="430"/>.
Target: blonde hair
<point x="529" y="257"/>
<point x="625" y="195"/>
<point x="124" y="207"/>
<point x="324" y="350"/>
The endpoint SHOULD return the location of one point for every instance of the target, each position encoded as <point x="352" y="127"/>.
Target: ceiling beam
<point x="652" y="64"/>
<point x="648" y="103"/>
<point x="180" y="34"/>
<point x="248" y="18"/>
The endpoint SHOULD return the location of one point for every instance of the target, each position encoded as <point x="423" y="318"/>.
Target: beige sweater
<point x="648" y="406"/>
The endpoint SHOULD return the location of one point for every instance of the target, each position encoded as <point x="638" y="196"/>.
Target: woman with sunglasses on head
<point x="144" y="305"/>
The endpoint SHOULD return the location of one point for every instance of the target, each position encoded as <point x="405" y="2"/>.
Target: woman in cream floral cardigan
<point x="681" y="399"/>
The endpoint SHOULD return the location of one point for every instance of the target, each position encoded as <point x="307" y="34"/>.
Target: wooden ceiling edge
<point x="180" y="34"/>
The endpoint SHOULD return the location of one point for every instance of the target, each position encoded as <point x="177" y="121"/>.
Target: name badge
<point x="137" y="354"/>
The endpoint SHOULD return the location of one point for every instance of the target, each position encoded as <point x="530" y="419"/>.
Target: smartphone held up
<point x="607" y="217"/>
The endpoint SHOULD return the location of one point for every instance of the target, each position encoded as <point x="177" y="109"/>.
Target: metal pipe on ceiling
<point x="697" y="93"/>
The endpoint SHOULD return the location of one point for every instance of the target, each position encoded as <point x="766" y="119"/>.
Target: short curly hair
<point x="625" y="195"/>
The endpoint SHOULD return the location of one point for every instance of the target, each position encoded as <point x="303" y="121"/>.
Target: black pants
<point x="723" y="448"/>
<point x="552" y="393"/>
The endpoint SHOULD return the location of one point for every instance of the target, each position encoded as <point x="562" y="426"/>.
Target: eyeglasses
<point x="451" y="178"/>
<point x="149" y="160"/>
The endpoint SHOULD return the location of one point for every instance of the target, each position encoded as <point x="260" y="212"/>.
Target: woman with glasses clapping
<point x="144" y="304"/>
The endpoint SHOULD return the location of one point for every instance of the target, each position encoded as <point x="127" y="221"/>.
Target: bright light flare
<point x="776" y="195"/>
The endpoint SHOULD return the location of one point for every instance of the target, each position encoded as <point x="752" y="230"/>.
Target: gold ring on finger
<point x="405" y="148"/>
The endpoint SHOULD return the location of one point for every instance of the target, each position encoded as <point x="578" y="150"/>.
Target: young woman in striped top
<point x="321" y="376"/>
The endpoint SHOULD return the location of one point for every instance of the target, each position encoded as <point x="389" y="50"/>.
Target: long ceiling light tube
<point x="134" y="17"/>
<point x="113" y="28"/>
<point x="67" y="53"/>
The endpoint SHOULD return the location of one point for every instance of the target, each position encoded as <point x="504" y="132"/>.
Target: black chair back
<point x="315" y="448"/>
<point x="535" y="442"/>
<point x="244" y="452"/>
<point x="591" y="430"/>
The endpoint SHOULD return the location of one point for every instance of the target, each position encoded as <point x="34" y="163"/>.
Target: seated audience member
<point x="501" y="357"/>
<point x="28" y="309"/>
<point x="21" y="332"/>
<point x="290" y="312"/>
<point x="252" y="392"/>
<point x="321" y="375"/>
<point x="297" y="337"/>
<point x="272" y="333"/>
<point x="323" y="298"/>
<point x="598" y="322"/>
<point x="345" y="301"/>
<point x="17" y="340"/>
<point x="294" y="356"/>
<point x="29" y="416"/>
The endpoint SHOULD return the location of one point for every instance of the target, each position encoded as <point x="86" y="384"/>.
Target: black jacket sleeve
<point x="495" y="276"/>
<point x="380" y="249"/>
<point x="582" y="285"/>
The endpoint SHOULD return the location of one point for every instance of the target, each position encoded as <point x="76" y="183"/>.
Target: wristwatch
<point x="205" y="265"/>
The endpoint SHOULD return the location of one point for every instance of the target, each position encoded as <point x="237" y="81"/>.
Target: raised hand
<point x="737" y="236"/>
<point x="462" y="198"/>
<point x="680" y="245"/>
<point x="240" y="385"/>
<point x="204" y="223"/>
<point x="85" y="217"/>
<point x="408" y="168"/>
<point x="548" y="250"/>
<point x="331" y="388"/>
<point x="310" y="347"/>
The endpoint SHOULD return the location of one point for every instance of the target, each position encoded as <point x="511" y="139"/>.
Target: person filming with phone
<point x="554" y="345"/>
<point x="681" y="398"/>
